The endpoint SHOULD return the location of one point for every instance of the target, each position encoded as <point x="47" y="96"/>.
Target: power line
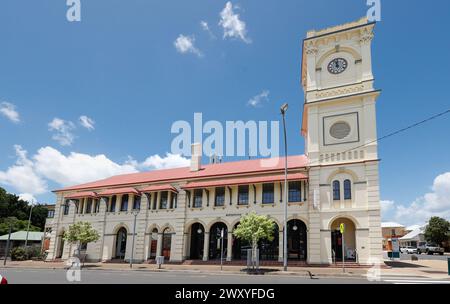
<point x="394" y="133"/>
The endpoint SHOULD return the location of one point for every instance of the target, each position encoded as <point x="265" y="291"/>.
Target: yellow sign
<point x="342" y="228"/>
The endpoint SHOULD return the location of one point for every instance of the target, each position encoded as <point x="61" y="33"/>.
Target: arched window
<point x="336" y="190"/>
<point x="347" y="189"/>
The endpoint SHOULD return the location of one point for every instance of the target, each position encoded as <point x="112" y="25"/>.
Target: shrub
<point x="19" y="254"/>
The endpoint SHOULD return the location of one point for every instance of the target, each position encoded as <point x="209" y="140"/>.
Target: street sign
<point x="342" y="228"/>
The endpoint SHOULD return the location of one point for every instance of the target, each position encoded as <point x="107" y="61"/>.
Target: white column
<point x="159" y="244"/>
<point x="206" y="247"/>
<point x="280" y="246"/>
<point x="230" y="246"/>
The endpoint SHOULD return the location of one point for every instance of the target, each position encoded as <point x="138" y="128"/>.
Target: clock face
<point x="337" y="66"/>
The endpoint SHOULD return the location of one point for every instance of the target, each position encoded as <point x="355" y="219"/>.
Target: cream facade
<point x="183" y="211"/>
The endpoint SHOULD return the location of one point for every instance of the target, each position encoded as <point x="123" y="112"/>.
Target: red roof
<point x="213" y="170"/>
<point x="245" y="181"/>
<point x="118" y="191"/>
<point x="159" y="188"/>
<point x="81" y="195"/>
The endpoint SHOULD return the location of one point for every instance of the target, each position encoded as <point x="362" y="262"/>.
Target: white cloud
<point x="232" y="26"/>
<point x="27" y="197"/>
<point x="206" y="28"/>
<point x="63" y="131"/>
<point x="386" y="207"/>
<point x="30" y="176"/>
<point x="435" y="203"/>
<point x="9" y="111"/>
<point x="170" y="161"/>
<point x="185" y="44"/>
<point x="87" y="122"/>
<point x="22" y="175"/>
<point x="257" y="100"/>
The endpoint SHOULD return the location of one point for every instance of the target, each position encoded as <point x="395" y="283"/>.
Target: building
<point x="413" y="238"/>
<point x="18" y="240"/>
<point x="391" y="230"/>
<point x="183" y="211"/>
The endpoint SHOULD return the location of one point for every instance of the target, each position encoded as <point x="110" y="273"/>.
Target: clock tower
<point x="339" y="126"/>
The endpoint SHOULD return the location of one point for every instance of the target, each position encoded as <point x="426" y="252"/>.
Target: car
<point x="3" y="280"/>
<point x="408" y="250"/>
<point x="430" y="248"/>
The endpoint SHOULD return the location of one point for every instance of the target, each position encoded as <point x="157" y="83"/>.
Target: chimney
<point x="196" y="157"/>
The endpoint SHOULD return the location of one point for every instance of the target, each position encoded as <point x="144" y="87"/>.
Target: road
<point x="424" y="257"/>
<point x="58" y="276"/>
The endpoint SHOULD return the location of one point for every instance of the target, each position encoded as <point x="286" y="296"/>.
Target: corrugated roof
<point x="412" y="235"/>
<point x="223" y="169"/>
<point x="391" y="225"/>
<point x="22" y="235"/>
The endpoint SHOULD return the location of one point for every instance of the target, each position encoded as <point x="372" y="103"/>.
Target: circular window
<point x="340" y="130"/>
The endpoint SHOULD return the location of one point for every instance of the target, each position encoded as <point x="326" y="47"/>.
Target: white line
<point x="417" y="281"/>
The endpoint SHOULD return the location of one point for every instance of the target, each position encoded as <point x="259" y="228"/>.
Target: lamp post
<point x="135" y="212"/>
<point x="29" y="222"/>
<point x="283" y="110"/>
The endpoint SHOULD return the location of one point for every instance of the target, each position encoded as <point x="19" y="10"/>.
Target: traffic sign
<point x="342" y="228"/>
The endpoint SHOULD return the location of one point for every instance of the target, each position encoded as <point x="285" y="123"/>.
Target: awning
<point x="245" y="181"/>
<point x="155" y="188"/>
<point x="119" y="191"/>
<point x="81" y="195"/>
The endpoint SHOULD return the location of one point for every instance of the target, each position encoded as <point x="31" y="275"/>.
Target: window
<point x="268" y="195"/>
<point x="124" y="205"/>
<point x="149" y="200"/>
<point x="66" y="207"/>
<point x="198" y="197"/>
<point x="295" y="192"/>
<point x="96" y="206"/>
<point x="163" y="201"/>
<point x="112" y="207"/>
<point x="137" y="203"/>
<point x="347" y="189"/>
<point x="174" y="200"/>
<point x="336" y="190"/>
<point x="155" y="199"/>
<point x="89" y="205"/>
<point x="243" y="195"/>
<point x="220" y="197"/>
<point x="83" y="247"/>
<point x="51" y="214"/>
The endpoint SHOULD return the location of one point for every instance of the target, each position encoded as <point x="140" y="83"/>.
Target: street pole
<point x="285" y="247"/>
<point x="7" y="244"/>
<point x="221" y="249"/>
<point x="28" y="228"/>
<point x="343" y="251"/>
<point x="135" y="213"/>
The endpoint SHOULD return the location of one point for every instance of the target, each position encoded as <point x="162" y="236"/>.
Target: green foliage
<point x="12" y="206"/>
<point x="437" y="230"/>
<point x="254" y="228"/>
<point x="23" y="254"/>
<point x="81" y="233"/>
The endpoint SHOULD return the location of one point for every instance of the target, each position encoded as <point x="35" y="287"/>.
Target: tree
<point x="12" y="206"/>
<point x="254" y="228"/>
<point x="437" y="230"/>
<point x="81" y="233"/>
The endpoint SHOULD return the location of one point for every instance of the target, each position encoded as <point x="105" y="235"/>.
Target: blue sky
<point x="119" y="67"/>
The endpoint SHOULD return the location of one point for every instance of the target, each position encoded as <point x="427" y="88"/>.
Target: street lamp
<point x="134" y="212"/>
<point x="29" y="222"/>
<point x="283" y="110"/>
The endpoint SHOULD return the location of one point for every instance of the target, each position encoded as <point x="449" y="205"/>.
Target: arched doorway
<point x="268" y="250"/>
<point x="153" y="243"/>
<point x="167" y="243"/>
<point x="215" y="242"/>
<point x="197" y="241"/>
<point x="349" y="240"/>
<point x="121" y="243"/>
<point x="240" y="247"/>
<point x="297" y="240"/>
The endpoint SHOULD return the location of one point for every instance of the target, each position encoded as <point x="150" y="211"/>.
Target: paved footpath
<point x="397" y="272"/>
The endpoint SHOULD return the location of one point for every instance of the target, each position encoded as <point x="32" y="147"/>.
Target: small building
<point x="413" y="238"/>
<point x="391" y="230"/>
<point x="18" y="240"/>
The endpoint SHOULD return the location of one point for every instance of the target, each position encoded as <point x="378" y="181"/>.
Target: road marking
<point x="417" y="282"/>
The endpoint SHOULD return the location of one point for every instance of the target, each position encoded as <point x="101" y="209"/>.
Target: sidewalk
<point x="430" y="269"/>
